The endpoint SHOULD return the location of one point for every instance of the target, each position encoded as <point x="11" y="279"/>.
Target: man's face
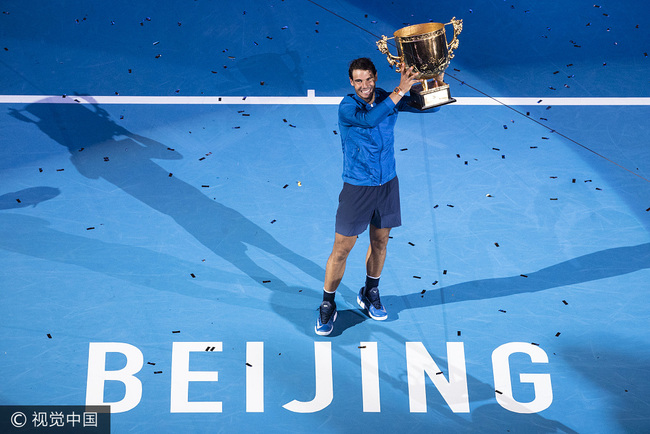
<point x="364" y="84"/>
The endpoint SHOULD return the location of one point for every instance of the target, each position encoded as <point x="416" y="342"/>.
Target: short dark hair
<point x="363" y="64"/>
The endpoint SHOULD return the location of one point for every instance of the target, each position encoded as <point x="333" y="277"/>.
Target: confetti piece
<point x="49" y="336"/>
<point x="150" y="363"/>
<point x="417" y="277"/>
<point x="450" y="206"/>
<point x="176" y="331"/>
<point x="404" y="149"/>
<point x="435" y="206"/>
<point x="285" y="185"/>
<point x="496" y="244"/>
<point x="266" y="281"/>
<point x="554" y="198"/>
<point x="499" y="392"/>
<point x="458" y="333"/>
<point x="18" y="200"/>
<point x="523" y="275"/>
<point x="444" y="271"/>
<point x="60" y="170"/>
<point x="501" y="310"/>
<point x="205" y="186"/>
<point x="565" y="302"/>
<point x="533" y="343"/>
<point x="90" y="228"/>
<point x="273" y="221"/>
<point x="157" y="372"/>
<point x="106" y="159"/>
<point x="423" y="291"/>
<point x="434" y="283"/>
<point x="361" y="346"/>
<point x="40" y="169"/>
<point x="410" y="243"/>
<point x="557" y="334"/>
<point x="193" y="276"/>
<point x="439" y="373"/>
<point x="488" y="195"/>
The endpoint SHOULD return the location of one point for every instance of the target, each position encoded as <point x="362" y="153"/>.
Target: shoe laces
<point x="326" y="310"/>
<point x="373" y="297"/>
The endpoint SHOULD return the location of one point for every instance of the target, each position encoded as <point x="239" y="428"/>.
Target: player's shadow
<point x="594" y="266"/>
<point x="100" y="148"/>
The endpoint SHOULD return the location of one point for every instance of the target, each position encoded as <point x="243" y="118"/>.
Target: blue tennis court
<point x="169" y="180"/>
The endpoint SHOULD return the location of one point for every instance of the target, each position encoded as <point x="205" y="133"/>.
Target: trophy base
<point x="423" y="99"/>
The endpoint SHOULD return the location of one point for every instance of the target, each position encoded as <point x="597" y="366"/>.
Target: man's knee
<point x="342" y="247"/>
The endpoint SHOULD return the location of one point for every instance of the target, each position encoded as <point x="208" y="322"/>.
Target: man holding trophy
<point x="370" y="194"/>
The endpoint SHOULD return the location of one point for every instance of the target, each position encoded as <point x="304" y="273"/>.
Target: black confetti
<point x="90" y="228"/>
<point x="417" y="277"/>
<point x="266" y="281"/>
<point x="193" y="276"/>
<point x="533" y="343"/>
<point x="501" y="310"/>
<point x="273" y="221"/>
<point x="410" y="243"/>
<point x="158" y="372"/>
<point x="565" y="302"/>
<point x="49" y="336"/>
<point x="434" y="283"/>
<point x="176" y="331"/>
<point x="523" y="275"/>
<point x="557" y="334"/>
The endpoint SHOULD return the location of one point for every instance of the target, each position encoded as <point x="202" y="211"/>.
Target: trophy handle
<point x="458" y="27"/>
<point x="382" y="44"/>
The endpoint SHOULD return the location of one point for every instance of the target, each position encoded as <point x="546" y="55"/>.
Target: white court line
<point x="310" y="99"/>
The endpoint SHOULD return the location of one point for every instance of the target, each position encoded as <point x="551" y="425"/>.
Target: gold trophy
<point x="425" y="48"/>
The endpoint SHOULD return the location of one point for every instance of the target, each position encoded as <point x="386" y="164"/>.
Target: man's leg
<point x="368" y="297"/>
<point x="337" y="260"/>
<point x="333" y="275"/>
<point x="376" y="251"/>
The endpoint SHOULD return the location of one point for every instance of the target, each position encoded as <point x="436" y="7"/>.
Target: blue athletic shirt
<point x="367" y="137"/>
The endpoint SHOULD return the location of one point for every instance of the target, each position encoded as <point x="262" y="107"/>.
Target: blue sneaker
<point x="372" y="304"/>
<point x="326" y="317"/>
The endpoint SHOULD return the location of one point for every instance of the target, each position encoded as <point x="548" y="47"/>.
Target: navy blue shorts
<point x="360" y="205"/>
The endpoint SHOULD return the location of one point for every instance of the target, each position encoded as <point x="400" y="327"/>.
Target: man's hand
<point x="408" y="78"/>
<point x="439" y="80"/>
